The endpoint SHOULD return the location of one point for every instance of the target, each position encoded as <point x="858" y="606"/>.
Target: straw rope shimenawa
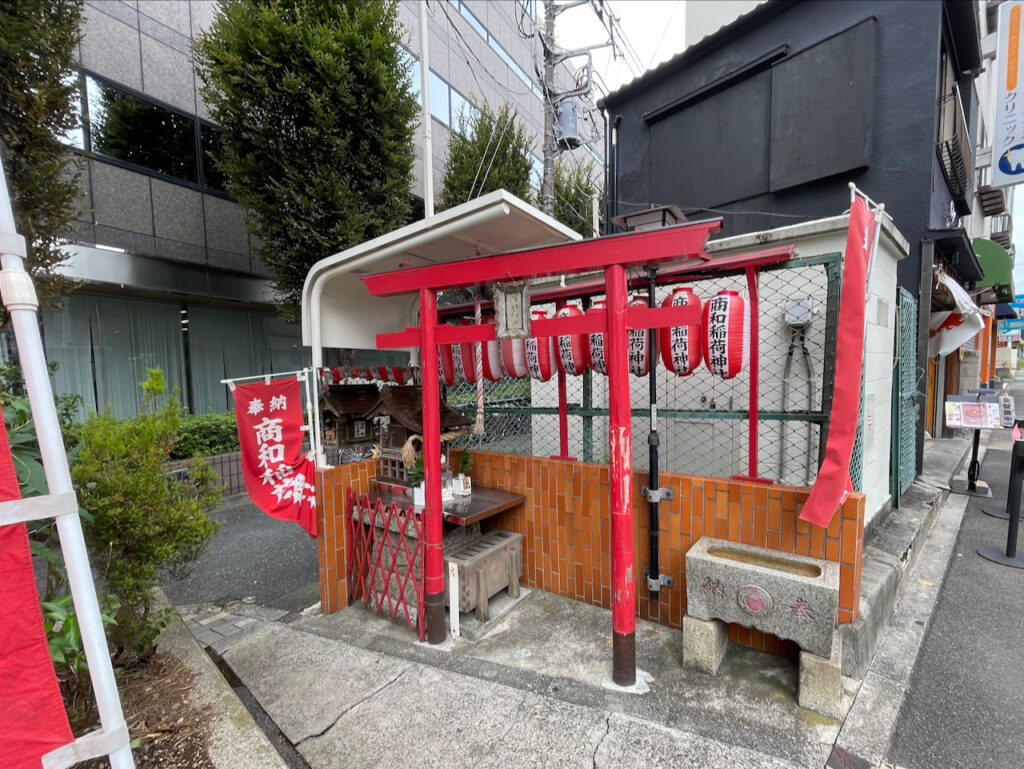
<point x="409" y="453"/>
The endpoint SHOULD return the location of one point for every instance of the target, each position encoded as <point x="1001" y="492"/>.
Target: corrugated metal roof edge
<point x="697" y="50"/>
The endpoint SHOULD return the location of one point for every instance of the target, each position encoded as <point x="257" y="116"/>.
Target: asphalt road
<point x="966" y="698"/>
<point x="252" y="556"/>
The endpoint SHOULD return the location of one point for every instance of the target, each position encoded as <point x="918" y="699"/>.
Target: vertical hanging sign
<point x="278" y="476"/>
<point x="1008" y="140"/>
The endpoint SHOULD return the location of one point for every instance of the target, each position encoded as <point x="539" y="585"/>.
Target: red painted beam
<point x="670" y="244"/>
<point x="636" y="318"/>
<point x="692" y="270"/>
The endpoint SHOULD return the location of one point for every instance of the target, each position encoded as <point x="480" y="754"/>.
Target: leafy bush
<point x="205" y="435"/>
<point x="142" y="519"/>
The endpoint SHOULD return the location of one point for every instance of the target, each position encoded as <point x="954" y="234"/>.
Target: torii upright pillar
<point x="620" y="450"/>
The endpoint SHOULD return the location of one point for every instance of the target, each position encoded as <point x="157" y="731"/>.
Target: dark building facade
<point x="766" y="121"/>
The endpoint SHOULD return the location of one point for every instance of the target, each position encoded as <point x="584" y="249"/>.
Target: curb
<point x="891" y="552"/>
<point x="235" y="739"/>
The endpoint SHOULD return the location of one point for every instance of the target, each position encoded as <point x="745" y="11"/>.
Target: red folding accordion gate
<point x="385" y="560"/>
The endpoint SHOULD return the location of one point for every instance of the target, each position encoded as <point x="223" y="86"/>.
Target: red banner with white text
<point x="833" y="486"/>
<point x="32" y="717"/>
<point x="278" y="475"/>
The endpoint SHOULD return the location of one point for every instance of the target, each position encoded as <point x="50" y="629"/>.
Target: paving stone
<point x="214" y="618"/>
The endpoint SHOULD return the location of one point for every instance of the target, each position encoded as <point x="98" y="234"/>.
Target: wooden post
<point x="620" y="447"/>
<point x="433" y="561"/>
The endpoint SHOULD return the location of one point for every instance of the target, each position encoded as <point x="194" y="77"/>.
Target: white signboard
<point x="983" y="416"/>
<point x="1008" y="142"/>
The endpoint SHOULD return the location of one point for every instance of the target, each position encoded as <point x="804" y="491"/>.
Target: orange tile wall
<point x="332" y="485"/>
<point x="565" y="523"/>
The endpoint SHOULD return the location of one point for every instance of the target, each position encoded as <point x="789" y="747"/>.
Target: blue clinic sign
<point x="1014" y="324"/>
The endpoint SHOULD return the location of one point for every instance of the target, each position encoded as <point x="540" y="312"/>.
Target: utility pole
<point x="548" y="49"/>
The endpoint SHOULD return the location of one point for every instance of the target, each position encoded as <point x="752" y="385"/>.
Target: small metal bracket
<point x="656" y="495"/>
<point x="654" y="585"/>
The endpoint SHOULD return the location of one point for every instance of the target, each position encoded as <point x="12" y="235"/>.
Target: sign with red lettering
<point x="278" y="475"/>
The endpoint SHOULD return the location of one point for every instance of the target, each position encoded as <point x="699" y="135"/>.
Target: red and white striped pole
<point x="620" y="449"/>
<point x="478" y="356"/>
<point x="433" y="560"/>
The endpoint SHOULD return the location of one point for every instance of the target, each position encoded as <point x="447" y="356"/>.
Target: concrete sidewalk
<point x="351" y="689"/>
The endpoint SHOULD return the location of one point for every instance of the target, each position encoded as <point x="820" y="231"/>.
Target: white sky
<point x="655" y="30"/>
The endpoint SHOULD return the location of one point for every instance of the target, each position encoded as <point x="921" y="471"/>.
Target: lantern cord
<point x="478" y="428"/>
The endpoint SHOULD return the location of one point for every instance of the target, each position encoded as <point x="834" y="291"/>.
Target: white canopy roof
<point x="338" y="311"/>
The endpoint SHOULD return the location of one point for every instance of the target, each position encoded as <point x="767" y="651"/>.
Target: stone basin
<point x="790" y="596"/>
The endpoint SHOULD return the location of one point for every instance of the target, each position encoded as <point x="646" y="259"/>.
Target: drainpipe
<point x="653" y="489"/>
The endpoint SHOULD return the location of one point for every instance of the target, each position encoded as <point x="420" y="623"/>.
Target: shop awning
<point x="954" y="246"/>
<point x="998" y="269"/>
<point x="1005" y="312"/>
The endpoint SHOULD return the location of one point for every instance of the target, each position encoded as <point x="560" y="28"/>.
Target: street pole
<point x="548" y="87"/>
<point x="428" y="147"/>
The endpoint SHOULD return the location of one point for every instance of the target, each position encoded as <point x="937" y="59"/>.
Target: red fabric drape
<point x="32" y="717"/>
<point x="278" y="476"/>
<point x="833" y="486"/>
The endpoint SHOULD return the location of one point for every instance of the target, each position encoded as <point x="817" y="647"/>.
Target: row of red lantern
<point x="398" y="374"/>
<point x="724" y="345"/>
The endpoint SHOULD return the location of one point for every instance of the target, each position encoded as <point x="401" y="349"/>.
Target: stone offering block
<point x="791" y="596"/>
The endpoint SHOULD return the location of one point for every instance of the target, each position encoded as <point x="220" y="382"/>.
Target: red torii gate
<point x="613" y="254"/>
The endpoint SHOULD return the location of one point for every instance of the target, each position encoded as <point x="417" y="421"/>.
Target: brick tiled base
<point x="565" y="524"/>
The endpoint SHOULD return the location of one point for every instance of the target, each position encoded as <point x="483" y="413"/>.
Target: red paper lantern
<point x="463" y="358"/>
<point x="513" y="358"/>
<point x="596" y="346"/>
<point x="726" y="334"/>
<point x="540" y="352"/>
<point x="681" y="345"/>
<point x="573" y="349"/>
<point x="446" y="364"/>
<point x="639" y="344"/>
<point x="492" y="357"/>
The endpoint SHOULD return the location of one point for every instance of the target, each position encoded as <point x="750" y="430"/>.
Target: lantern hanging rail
<point x="693" y="414"/>
<point x="715" y="267"/>
<point x="637" y="319"/>
<point x="629" y="249"/>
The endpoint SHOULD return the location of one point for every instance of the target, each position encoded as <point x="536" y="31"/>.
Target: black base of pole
<point x="623" y="659"/>
<point x="434" y="619"/>
<point x="998" y="555"/>
<point x="1001" y="514"/>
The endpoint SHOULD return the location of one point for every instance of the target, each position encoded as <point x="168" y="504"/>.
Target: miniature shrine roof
<point x="351" y="400"/>
<point x="405" y="405"/>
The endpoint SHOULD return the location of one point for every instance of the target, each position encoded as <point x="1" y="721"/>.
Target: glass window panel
<point x="439" y="99"/>
<point x="135" y="130"/>
<point x="460" y="109"/>
<point x="474" y="22"/>
<point x="417" y="86"/>
<point x="536" y="172"/>
<point x="212" y="176"/>
<point x="76" y="136"/>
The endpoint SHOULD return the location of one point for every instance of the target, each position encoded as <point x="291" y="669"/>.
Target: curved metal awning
<point x="338" y="311"/>
<point x="998" y="268"/>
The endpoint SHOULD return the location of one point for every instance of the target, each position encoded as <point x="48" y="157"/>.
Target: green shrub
<point x="205" y="435"/>
<point x="143" y="520"/>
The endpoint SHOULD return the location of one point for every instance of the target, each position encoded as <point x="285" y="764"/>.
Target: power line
<point x="654" y="53"/>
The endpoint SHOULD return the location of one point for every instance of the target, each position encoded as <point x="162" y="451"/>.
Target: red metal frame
<point x="368" y="577"/>
<point x="671" y="244"/>
<point x="692" y="271"/>
<point x="613" y="255"/>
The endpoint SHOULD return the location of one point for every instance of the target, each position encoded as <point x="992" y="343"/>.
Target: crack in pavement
<point x="360" y="701"/>
<point x="600" y="742"/>
<point x="512" y="722"/>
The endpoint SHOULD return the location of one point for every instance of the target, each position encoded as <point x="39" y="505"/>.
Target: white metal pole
<point x="58" y="478"/>
<point x="428" y="153"/>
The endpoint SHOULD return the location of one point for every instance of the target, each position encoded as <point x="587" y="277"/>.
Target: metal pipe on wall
<point x="653" y="477"/>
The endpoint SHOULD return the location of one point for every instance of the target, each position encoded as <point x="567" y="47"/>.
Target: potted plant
<point x="463" y="484"/>
<point x="415" y="476"/>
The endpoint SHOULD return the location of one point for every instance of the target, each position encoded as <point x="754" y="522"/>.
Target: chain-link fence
<point x="702" y="419"/>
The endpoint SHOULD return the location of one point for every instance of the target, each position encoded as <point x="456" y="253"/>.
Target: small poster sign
<point x="973" y="415"/>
